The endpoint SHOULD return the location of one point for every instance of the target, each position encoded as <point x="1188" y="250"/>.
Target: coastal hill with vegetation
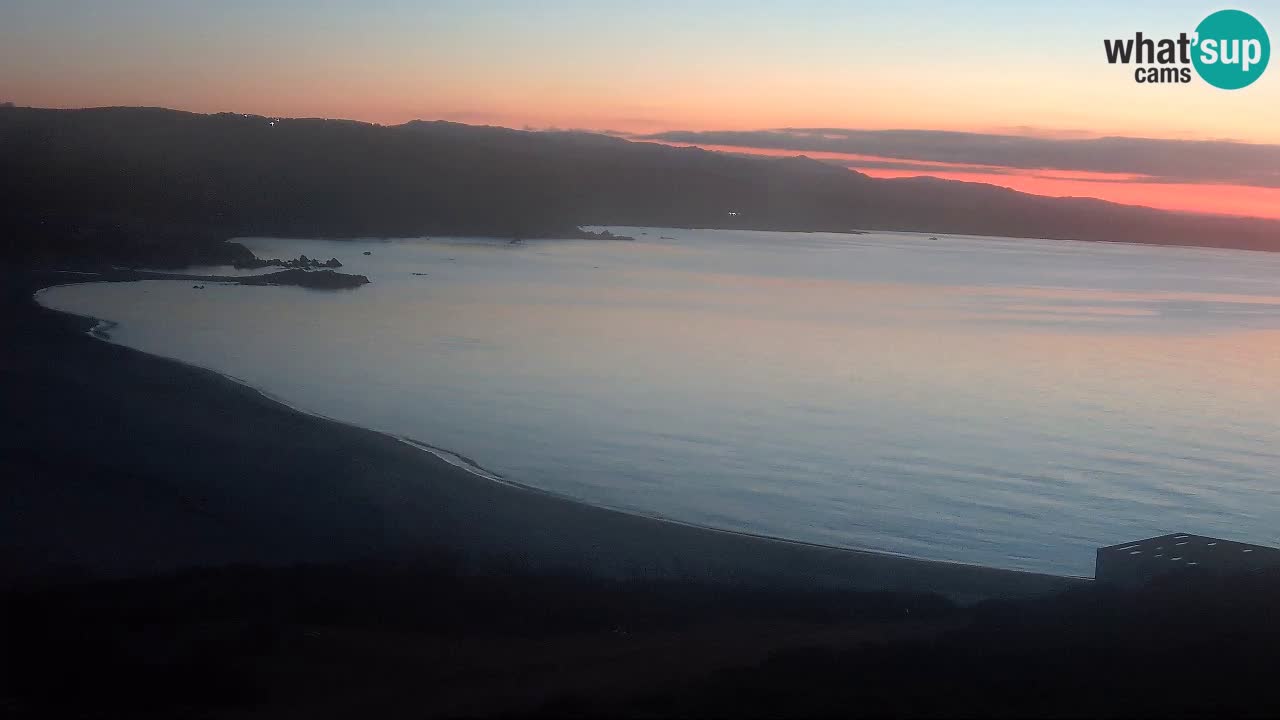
<point x="145" y="186"/>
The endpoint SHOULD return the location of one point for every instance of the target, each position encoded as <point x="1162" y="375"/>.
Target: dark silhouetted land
<point x="139" y="186"/>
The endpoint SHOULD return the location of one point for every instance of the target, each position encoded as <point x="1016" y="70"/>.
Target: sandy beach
<point x="124" y="463"/>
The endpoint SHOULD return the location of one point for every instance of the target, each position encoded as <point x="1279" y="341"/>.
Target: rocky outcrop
<point x="302" y="263"/>
<point x="316" y="279"/>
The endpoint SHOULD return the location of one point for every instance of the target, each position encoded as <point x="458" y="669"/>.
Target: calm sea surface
<point x="1007" y="402"/>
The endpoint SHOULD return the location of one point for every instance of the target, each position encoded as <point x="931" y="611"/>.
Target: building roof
<point x="1157" y="555"/>
<point x="1185" y="540"/>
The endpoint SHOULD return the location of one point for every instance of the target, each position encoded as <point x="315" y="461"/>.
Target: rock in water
<point x="318" y="280"/>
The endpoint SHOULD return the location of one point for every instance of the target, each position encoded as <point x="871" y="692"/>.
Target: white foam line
<point x="462" y="462"/>
<point x="100" y="327"/>
<point x="102" y="330"/>
<point x="459" y="461"/>
<point x="36" y="295"/>
<point x="455" y="459"/>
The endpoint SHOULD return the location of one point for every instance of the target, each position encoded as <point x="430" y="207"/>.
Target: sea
<point x="1006" y="402"/>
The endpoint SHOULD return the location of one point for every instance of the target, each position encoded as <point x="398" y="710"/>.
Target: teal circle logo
<point x="1232" y="49"/>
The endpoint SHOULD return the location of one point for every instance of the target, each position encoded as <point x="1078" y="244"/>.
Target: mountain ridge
<point x="137" y="185"/>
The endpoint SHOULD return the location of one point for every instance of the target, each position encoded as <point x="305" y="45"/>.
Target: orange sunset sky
<point x="1010" y="93"/>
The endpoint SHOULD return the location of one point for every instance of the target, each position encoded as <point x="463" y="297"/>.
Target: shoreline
<point x="101" y="331"/>
<point x="473" y="467"/>
<point x="487" y="517"/>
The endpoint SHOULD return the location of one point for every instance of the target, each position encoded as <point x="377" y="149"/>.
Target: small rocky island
<point x="315" y="279"/>
<point x="601" y="235"/>
<point x="576" y="233"/>
<point x="302" y="263"/>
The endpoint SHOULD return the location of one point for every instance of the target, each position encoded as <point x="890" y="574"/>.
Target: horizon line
<point x="748" y="152"/>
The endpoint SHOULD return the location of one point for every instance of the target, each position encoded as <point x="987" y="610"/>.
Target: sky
<point x="968" y="75"/>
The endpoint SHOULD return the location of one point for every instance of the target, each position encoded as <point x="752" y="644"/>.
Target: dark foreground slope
<point x="159" y="187"/>
<point x="1182" y="647"/>
<point x="406" y="642"/>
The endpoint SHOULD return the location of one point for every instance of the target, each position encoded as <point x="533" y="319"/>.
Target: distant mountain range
<point x="154" y="186"/>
